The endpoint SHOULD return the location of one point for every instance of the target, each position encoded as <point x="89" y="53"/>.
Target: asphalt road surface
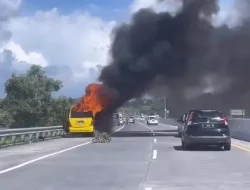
<point x="138" y="157"/>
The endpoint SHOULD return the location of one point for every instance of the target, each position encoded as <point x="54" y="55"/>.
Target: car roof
<point x="204" y="110"/>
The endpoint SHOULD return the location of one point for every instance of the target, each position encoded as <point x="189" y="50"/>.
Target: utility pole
<point x="165" y="107"/>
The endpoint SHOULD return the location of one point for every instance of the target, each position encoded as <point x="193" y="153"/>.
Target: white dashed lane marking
<point x="154" y="154"/>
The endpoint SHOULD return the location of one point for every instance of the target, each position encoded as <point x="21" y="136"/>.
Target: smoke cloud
<point x="188" y="53"/>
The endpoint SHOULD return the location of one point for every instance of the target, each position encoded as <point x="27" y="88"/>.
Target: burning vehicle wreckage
<point x="186" y="50"/>
<point x="97" y="101"/>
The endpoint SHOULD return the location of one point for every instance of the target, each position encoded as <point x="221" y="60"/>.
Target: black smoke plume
<point x="187" y="51"/>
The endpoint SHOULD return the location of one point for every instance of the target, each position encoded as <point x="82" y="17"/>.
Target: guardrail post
<point x="13" y="139"/>
<point x="61" y="132"/>
<point x="22" y="138"/>
<point x="37" y="135"/>
<point x="53" y="133"/>
<point x="2" y="140"/>
<point x="30" y="137"/>
<point x="58" y="132"/>
<point x="43" y="134"/>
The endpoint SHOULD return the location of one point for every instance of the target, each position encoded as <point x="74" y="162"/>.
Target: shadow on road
<point x="145" y="133"/>
<point x="78" y="135"/>
<point x="199" y="148"/>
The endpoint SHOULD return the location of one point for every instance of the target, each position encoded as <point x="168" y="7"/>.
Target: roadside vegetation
<point x="146" y="106"/>
<point x="29" y="101"/>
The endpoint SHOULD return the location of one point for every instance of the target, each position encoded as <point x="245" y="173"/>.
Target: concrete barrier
<point x="240" y="128"/>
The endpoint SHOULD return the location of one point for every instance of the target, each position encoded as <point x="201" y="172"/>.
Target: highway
<point x="138" y="157"/>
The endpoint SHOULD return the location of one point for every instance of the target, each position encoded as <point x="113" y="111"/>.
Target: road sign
<point x="237" y="112"/>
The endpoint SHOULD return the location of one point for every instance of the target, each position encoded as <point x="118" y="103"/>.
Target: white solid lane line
<point x="41" y="158"/>
<point x="154" y="154"/>
<point x="120" y="128"/>
<point x="48" y="155"/>
<point x="148" y="188"/>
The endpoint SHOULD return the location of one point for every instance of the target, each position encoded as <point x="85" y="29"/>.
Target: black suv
<point x="206" y="127"/>
<point x="181" y="122"/>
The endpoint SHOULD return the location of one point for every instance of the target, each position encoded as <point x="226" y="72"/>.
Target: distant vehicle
<point x="206" y="127"/>
<point x="181" y="121"/>
<point x="142" y="119"/>
<point x="78" y="122"/>
<point x="152" y="120"/>
<point x="118" y="119"/>
<point x="131" y="120"/>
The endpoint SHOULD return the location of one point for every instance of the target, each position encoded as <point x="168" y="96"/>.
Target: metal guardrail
<point x="10" y="137"/>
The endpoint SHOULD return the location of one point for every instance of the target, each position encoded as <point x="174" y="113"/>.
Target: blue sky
<point x="106" y="9"/>
<point x="226" y="2"/>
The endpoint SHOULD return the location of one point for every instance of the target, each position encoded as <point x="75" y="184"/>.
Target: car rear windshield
<point x="152" y="118"/>
<point x="200" y="115"/>
<point x="81" y="114"/>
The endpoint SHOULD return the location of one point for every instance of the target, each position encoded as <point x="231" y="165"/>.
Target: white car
<point x="121" y="121"/>
<point x="131" y="120"/>
<point x="152" y="120"/>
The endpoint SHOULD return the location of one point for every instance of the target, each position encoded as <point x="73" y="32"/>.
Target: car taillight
<point x="225" y="119"/>
<point x="190" y="119"/>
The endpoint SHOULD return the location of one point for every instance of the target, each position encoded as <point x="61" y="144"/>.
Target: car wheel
<point x="227" y="147"/>
<point x="185" y="146"/>
<point x="179" y="134"/>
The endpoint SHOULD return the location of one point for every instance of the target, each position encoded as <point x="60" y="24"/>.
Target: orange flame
<point x="94" y="100"/>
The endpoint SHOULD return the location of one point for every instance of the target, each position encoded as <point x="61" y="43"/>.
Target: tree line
<point x="29" y="101"/>
<point x="146" y="106"/>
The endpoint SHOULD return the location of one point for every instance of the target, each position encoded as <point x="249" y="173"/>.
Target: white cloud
<point x="71" y="46"/>
<point x="8" y="8"/>
<point x="171" y="6"/>
<point x="21" y="56"/>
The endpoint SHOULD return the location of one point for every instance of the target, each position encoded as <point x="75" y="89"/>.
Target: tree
<point x="58" y="106"/>
<point x="29" y="101"/>
<point x="6" y="119"/>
